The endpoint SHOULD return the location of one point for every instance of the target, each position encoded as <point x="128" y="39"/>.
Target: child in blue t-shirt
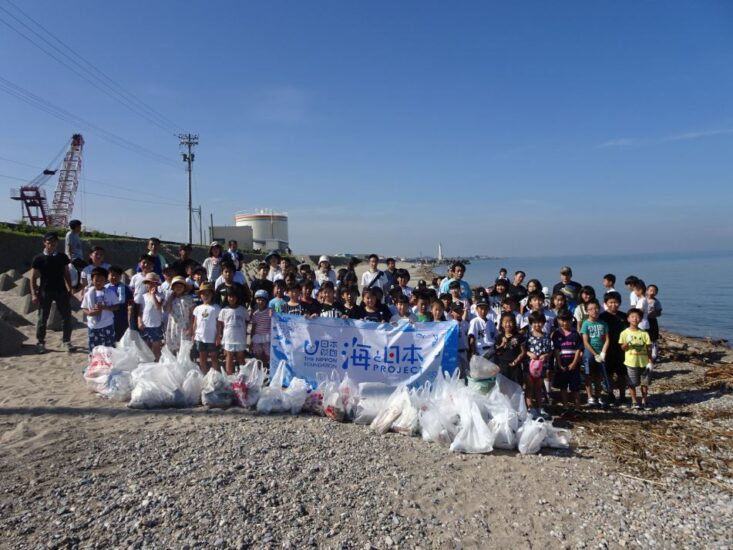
<point x="595" y="341"/>
<point x="125" y="299"/>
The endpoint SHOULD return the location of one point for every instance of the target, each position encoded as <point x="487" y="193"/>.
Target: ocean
<point x="695" y="289"/>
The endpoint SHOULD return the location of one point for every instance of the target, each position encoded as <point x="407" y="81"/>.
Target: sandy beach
<point x="79" y="471"/>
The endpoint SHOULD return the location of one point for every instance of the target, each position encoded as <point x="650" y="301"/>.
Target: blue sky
<point x="501" y="128"/>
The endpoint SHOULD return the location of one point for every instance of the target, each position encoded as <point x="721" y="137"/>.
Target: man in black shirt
<point x="262" y="282"/>
<point x="183" y="261"/>
<point x="568" y="287"/>
<point x="518" y="290"/>
<point x="50" y="282"/>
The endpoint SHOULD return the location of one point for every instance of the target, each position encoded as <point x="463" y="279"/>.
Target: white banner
<point x="368" y="351"/>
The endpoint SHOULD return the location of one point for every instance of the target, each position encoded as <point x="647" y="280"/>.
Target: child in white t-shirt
<point x="232" y="330"/>
<point x="150" y="317"/>
<point x="482" y="332"/>
<point x="204" y="328"/>
<point x="99" y="303"/>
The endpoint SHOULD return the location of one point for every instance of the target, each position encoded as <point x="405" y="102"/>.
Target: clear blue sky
<point x="503" y="128"/>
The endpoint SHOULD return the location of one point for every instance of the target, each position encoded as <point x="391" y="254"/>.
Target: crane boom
<point x="63" y="198"/>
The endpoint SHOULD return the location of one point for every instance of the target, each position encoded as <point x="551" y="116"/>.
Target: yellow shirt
<point x="638" y="340"/>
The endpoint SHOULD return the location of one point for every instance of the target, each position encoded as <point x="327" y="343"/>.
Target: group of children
<point x="565" y="339"/>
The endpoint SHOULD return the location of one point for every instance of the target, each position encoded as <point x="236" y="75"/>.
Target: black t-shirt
<point x="262" y="284"/>
<point x="378" y="316"/>
<point x="519" y="292"/>
<point x="288" y="309"/>
<point x="616" y="325"/>
<point x="52" y="268"/>
<point x="333" y="311"/>
<point x="311" y="308"/>
<point x="570" y="290"/>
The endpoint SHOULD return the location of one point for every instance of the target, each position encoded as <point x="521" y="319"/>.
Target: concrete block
<point x="55" y="322"/>
<point x="28" y="305"/>
<point x="75" y="303"/>
<point x="13" y="274"/>
<point x="9" y="315"/>
<point x="23" y="286"/>
<point x="12" y="339"/>
<point x="6" y="282"/>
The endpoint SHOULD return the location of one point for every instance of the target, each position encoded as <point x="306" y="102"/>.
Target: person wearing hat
<point x="213" y="262"/>
<point x="205" y="328"/>
<point x="75" y="251"/>
<point x="568" y="287"/>
<point x="150" y="314"/>
<point x="51" y="282"/>
<point x="482" y="332"/>
<point x="179" y="306"/>
<point x="275" y="273"/>
<point x="325" y="272"/>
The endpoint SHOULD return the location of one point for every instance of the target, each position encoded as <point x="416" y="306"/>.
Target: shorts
<point x="261" y="349"/>
<point x="590" y="365"/>
<point x="152" y="334"/>
<point x="205" y="347"/>
<point x="637" y="376"/>
<point x="104" y="336"/>
<point x="567" y="379"/>
<point x="234" y="348"/>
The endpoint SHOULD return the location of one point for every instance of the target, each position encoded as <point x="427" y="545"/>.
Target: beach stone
<point x="23" y="287"/>
<point x="6" y="282"/>
<point x="9" y="315"/>
<point x="13" y="274"/>
<point x="12" y="339"/>
<point x="28" y="305"/>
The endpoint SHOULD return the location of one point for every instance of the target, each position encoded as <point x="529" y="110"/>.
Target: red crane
<point x="35" y="205"/>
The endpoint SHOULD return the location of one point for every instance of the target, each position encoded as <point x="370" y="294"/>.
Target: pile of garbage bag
<point x="468" y="419"/>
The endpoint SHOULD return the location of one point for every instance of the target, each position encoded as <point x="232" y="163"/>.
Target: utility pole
<point x="189" y="141"/>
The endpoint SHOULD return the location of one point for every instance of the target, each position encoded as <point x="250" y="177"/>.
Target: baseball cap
<point x="456" y="306"/>
<point x="262" y="293"/>
<point x="51" y="235"/>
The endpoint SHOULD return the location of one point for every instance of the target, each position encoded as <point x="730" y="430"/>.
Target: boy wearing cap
<point x="260" y="327"/>
<point x="568" y="287"/>
<point x="50" y="282"/>
<point x="482" y="332"/>
<point x="150" y="317"/>
<point x="99" y="304"/>
<point x="204" y="328"/>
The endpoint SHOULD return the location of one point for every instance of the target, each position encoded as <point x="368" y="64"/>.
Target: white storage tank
<point x="269" y="228"/>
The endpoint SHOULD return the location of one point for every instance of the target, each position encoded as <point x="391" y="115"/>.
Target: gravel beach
<point x="78" y="471"/>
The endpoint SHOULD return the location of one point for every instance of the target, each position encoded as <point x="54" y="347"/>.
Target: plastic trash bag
<point x="531" y="435"/>
<point x="439" y="422"/>
<point x="191" y="388"/>
<point x="392" y="410"/>
<point x="340" y="402"/>
<point x="133" y="342"/>
<point x="507" y="395"/>
<point x="504" y="426"/>
<point x="154" y="387"/>
<point x="273" y="398"/>
<point x="349" y="393"/>
<point x="108" y="373"/>
<point x="325" y="385"/>
<point x="100" y="366"/>
<point x="373" y="397"/>
<point x="216" y="392"/>
<point x="297" y="393"/>
<point x="481" y="368"/>
<point x="556" y="438"/>
<point x="480" y="385"/>
<point x="247" y="383"/>
<point x="474" y="436"/>
<point x="166" y="355"/>
<point x="408" y="421"/>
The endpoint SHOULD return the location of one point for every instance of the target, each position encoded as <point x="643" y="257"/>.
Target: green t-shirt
<point x="636" y="355"/>
<point x="597" y="332"/>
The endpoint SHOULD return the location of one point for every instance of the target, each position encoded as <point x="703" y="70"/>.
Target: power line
<point x="92" y="180"/>
<point x="113" y="90"/>
<point x="39" y="103"/>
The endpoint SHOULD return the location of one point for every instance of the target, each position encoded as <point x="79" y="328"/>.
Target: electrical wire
<point x="104" y="83"/>
<point x="58" y="112"/>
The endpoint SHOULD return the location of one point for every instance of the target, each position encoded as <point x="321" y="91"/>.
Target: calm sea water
<point x="696" y="289"/>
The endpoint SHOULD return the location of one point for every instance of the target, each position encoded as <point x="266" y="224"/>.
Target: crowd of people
<point x="570" y="339"/>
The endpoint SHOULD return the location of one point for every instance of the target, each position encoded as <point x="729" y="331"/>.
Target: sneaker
<point x="592" y="402"/>
<point x="601" y="402"/>
<point x="636" y="407"/>
<point x="643" y="403"/>
<point x="544" y="414"/>
<point x="40" y="348"/>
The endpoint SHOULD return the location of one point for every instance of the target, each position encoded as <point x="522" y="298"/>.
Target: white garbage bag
<point x="556" y="438"/>
<point x="247" y="383"/>
<point x="133" y="342"/>
<point x="216" y="392"/>
<point x="373" y="397"/>
<point x="474" y="435"/>
<point x="273" y="398"/>
<point x="481" y="368"/>
<point x="192" y="386"/>
<point x="154" y="387"/>
<point x="531" y="435"/>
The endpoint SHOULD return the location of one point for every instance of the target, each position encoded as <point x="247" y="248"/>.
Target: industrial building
<point x="261" y="229"/>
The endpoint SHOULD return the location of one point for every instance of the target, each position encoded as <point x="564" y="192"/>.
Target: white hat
<point x="546" y="291"/>
<point x="324" y="259"/>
